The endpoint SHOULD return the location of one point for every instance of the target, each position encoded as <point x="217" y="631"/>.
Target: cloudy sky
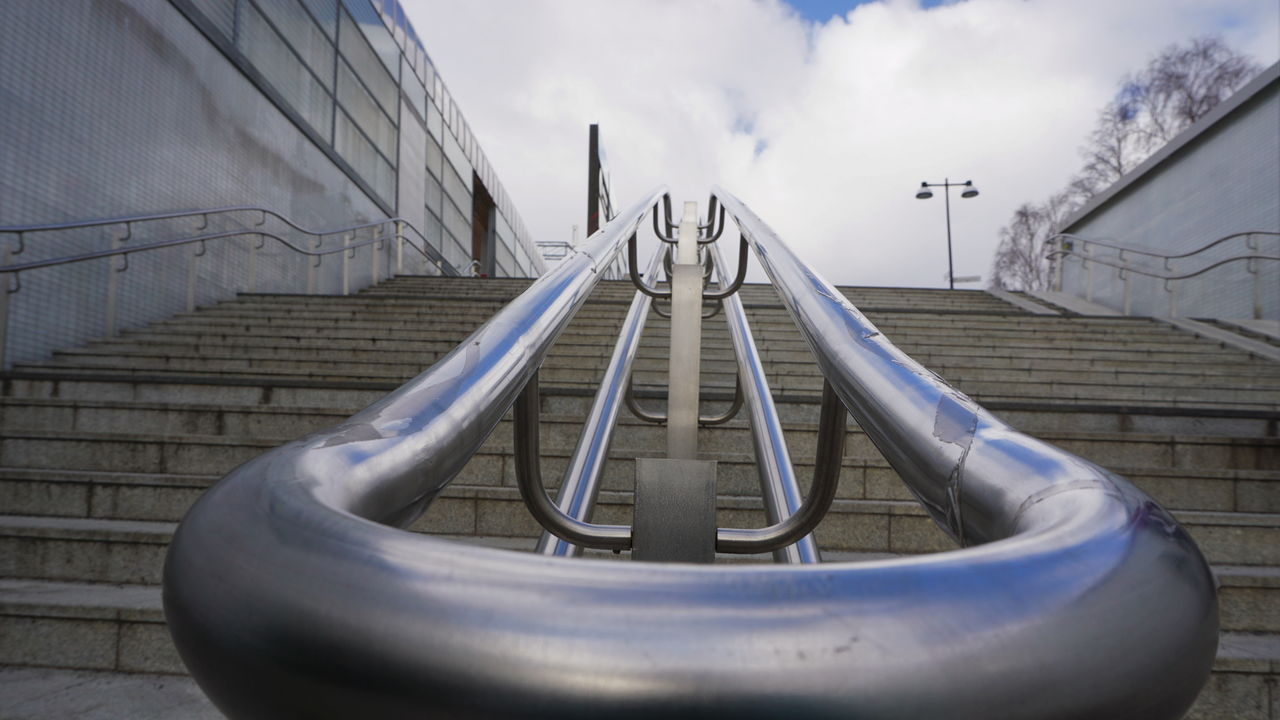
<point x="822" y="115"/>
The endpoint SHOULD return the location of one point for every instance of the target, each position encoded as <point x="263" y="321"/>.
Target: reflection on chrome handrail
<point x="1069" y="559"/>
<point x="585" y="471"/>
<point x="288" y="596"/>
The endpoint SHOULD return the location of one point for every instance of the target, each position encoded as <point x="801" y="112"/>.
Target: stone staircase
<point x="103" y="448"/>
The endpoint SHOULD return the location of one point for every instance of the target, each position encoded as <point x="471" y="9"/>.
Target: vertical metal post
<point x="1088" y="253"/>
<point x="253" y="264"/>
<point x="113" y="286"/>
<point x="1127" y="278"/>
<point x="686" y="341"/>
<point x="313" y="268"/>
<point x="593" y="179"/>
<point x="6" y="254"/>
<point x="399" y="247"/>
<point x="1251" y="242"/>
<point x="951" y="268"/>
<point x="1058" y="261"/>
<point x="346" y="263"/>
<point x="191" y="277"/>
<point x="375" y="256"/>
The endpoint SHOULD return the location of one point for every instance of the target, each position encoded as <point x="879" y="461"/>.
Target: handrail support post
<point x="686" y="341"/>
<point x="113" y="285"/>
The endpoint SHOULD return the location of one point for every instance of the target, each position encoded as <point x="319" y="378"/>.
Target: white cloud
<point x="848" y="116"/>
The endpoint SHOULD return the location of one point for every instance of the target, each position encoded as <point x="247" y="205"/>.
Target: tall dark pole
<point x="593" y="180"/>
<point x="951" y="268"/>
<point x="967" y="191"/>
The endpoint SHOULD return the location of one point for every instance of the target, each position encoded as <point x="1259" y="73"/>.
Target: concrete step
<point x="177" y="453"/>
<point x="714" y="378"/>
<point x="132" y="551"/>
<point x="165" y="496"/>
<point x="1048" y="345"/>
<point x="654" y="360"/>
<point x="42" y="693"/>
<point x="286" y="422"/>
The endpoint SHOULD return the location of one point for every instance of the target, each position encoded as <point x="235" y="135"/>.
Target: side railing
<point x="290" y="592"/>
<point x="1167" y="271"/>
<point x="183" y="259"/>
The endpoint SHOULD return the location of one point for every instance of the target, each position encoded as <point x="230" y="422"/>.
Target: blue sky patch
<point x="820" y="11"/>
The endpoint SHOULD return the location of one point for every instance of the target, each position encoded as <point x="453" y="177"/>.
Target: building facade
<point x="1219" y="179"/>
<point x="328" y="112"/>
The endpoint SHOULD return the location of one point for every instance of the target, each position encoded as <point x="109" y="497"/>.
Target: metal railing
<point x="1075" y="594"/>
<point x="292" y="236"/>
<point x="1167" y="273"/>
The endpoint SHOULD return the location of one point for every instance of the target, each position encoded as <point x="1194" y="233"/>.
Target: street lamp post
<point x="925" y="193"/>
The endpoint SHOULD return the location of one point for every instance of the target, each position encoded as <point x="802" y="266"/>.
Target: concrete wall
<point x="113" y="108"/>
<point x="1220" y="180"/>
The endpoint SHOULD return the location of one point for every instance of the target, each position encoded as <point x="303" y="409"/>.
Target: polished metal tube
<point x="795" y="525"/>
<point x="529" y="478"/>
<point x="289" y="596"/>
<point x="581" y="483"/>
<point x="778" y="486"/>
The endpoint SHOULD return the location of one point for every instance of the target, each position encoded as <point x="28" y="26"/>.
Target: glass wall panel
<point x="435" y="124"/>
<point x="297" y="27"/>
<point x="326" y="14"/>
<point x="413" y="90"/>
<point x="352" y="145"/>
<point x="365" y="112"/>
<point x="505" y="258"/>
<point x="435" y="158"/>
<point x="286" y="73"/>
<point x="456" y="188"/>
<point x="456" y="223"/>
<point x="454" y="153"/>
<point x="376" y="33"/>
<point x="433" y="231"/>
<point x="457" y="256"/>
<point x="433" y="193"/>
<point x="366" y="64"/>
<point x="222" y="13"/>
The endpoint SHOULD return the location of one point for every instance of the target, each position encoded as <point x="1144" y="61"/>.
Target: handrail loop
<point x="743" y="257"/>
<point x="826" y="476"/>
<point x="583" y="475"/>
<point x="534" y="492"/>
<point x="713" y="236"/>
<point x="1076" y="596"/>
<point x="632" y="263"/>
<point x="658" y="418"/>
<point x="826" y="480"/>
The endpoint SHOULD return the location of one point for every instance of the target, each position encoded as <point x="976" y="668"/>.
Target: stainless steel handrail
<point x="129" y="220"/>
<point x="287" y="598"/>
<point x="581" y="484"/>
<point x="778" y="485"/>
<point x="177" y="242"/>
<point x="1125" y="268"/>
<point x="1084" y="599"/>
<point x="1155" y="253"/>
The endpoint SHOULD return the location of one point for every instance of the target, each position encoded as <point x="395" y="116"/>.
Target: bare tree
<point x="1115" y="146"/>
<point x="1184" y="83"/>
<point x="1021" y="261"/>
<point x="1178" y="87"/>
